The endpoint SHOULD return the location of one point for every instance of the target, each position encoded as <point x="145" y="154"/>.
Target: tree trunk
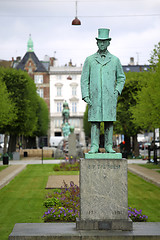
<point x="127" y="145"/>
<point x="12" y="143"/>
<point x="5" y="143"/>
<point x="135" y="146"/>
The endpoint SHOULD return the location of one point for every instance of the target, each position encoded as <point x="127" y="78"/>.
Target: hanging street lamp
<point x="76" y="21"/>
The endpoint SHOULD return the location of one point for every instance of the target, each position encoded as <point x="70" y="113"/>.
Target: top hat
<point x="103" y="34"/>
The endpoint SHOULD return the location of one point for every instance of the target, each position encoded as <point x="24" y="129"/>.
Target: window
<point x="75" y="122"/>
<point x="59" y="107"/>
<point x="74" y="91"/>
<point x="59" y="92"/>
<point x="40" y="92"/>
<point x="74" y="107"/>
<point x="58" y="123"/>
<point x="74" y="77"/>
<point x="38" y="79"/>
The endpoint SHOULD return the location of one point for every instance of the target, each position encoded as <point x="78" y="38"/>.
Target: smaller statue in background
<point x="65" y="115"/>
<point x="65" y="112"/>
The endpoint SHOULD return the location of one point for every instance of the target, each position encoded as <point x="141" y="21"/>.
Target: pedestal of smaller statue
<point x="103" y="193"/>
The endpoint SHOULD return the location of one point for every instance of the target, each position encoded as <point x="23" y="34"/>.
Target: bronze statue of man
<point x="102" y="80"/>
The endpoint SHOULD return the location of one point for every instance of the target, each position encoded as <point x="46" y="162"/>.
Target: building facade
<point x="65" y="86"/>
<point x="38" y="71"/>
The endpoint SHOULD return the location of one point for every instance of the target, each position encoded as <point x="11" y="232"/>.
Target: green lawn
<point x="3" y="167"/>
<point x="150" y="166"/>
<point x="21" y="201"/>
<point x="144" y="195"/>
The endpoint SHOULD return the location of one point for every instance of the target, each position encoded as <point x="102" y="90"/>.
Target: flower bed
<point x="136" y="215"/>
<point x="63" y="206"/>
<point x="66" y="166"/>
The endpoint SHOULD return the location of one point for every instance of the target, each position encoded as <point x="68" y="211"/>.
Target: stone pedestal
<point x="72" y="146"/>
<point x="103" y="193"/>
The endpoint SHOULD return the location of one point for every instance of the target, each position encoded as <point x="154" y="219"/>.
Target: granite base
<point x="121" y="224"/>
<point x="67" y="231"/>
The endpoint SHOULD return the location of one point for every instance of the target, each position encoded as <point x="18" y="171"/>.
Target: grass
<point x="21" y="201"/>
<point x="3" y="167"/>
<point x="150" y="166"/>
<point x="144" y="195"/>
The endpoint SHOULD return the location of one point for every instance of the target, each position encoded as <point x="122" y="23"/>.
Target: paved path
<point x="16" y="167"/>
<point x="149" y="175"/>
<point x="9" y="173"/>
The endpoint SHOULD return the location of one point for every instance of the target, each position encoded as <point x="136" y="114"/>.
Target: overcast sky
<point x="134" y="28"/>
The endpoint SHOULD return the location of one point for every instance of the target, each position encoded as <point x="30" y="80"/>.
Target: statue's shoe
<point x="93" y="150"/>
<point x="109" y="149"/>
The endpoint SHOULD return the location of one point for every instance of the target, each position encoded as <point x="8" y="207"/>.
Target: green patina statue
<point x="102" y="80"/>
<point x="65" y="112"/>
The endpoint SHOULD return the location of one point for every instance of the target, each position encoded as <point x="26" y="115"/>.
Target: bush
<point x="136" y="215"/>
<point x="50" y="202"/>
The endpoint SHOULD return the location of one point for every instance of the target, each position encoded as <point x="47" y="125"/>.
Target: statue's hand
<point x="87" y="100"/>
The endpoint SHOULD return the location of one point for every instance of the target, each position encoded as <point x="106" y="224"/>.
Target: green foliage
<point x="86" y="124"/>
<point x="7" y="107"/>
<point x="43" y="118"/>
<point x="50" y="202"/>
<point x="155" y="56"/>
<point x="146" y="113"/>
<point x="22" y="92"/>
<point x="125" y="124"/>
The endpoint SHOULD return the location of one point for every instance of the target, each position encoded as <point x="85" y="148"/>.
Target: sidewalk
<point x="9" y="173"/>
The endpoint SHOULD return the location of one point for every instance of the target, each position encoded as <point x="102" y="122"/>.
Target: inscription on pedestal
<point x="103" y="186"/>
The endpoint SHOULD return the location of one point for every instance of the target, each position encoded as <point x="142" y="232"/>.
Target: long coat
<point x="99" y="80"/>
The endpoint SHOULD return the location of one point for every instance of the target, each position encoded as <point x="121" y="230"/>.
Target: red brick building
<point x="38" y="70"/>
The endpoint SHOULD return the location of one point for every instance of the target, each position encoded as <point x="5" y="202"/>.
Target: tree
<point x="23" y="94"/>
<point x="43" y="118"/>
<point x="155" y="56"/>
<point x="7" y="111"/>
<point x="125" y="124"/>
<point x="7" y="107"/>
<point x="147" y="111"/>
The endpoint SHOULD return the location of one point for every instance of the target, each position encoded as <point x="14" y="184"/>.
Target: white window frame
<point x="74" y="90"/>
<point x="40" y="92"/>
<point x="59" y="107"/>
<point x="38" y="79"/>
<point x="59" y="91"/>
<point x="74" y="107"/>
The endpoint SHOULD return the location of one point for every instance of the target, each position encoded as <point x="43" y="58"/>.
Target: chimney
<point x="70" y="63"/>
<point x="18" y="59"/>
<point x="52" y="61"/>
<point x="131" y="61"/>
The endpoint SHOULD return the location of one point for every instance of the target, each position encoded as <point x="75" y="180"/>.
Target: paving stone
<point x="58" y="181"/>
